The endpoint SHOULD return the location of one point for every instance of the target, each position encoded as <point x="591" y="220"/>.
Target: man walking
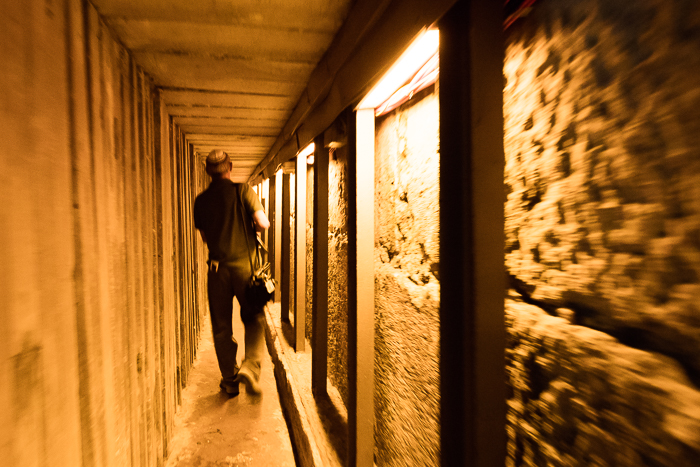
<point x="225" y="214"/>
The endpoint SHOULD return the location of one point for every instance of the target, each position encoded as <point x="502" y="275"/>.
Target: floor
<point x="212" y="429"/>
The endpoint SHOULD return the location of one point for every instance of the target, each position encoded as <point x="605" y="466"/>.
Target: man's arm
<point x="260" y="221"/>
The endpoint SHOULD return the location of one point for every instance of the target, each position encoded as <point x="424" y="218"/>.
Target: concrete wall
<point x="98" y="301"/>
<point x="602" y="145"/>
<point x="407" y="291"/>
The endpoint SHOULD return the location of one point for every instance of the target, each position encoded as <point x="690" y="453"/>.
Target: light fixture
<point x="308" y="152"/>
<point x="418" y="53"/>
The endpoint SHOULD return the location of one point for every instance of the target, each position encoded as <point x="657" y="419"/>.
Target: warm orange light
<point x="417" y="54"/>
<point x="308" y="152"/>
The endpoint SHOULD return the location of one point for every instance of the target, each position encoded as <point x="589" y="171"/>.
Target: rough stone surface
<point x="407" y="291"/>
<point x="602" y="146"/>
<point x="338" y="272"/>
<point x="580" y="397"/>
<point x="309" y="251"/>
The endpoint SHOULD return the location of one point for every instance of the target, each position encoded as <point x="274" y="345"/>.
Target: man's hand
<point x="260" y="221"/>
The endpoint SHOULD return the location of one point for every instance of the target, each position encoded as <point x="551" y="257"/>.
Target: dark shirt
<point x="217" y="213"/>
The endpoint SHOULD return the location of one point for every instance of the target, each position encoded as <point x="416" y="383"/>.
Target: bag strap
<point x="244" y="213"/>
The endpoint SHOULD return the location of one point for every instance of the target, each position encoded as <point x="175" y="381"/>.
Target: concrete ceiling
<point x="231" y="71"/>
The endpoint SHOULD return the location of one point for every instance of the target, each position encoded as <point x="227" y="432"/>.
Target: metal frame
<point x="361" y="291"/>
<point x="319" y="358"/>
<point x="285" y="266"/>
<point x="472" y="276"/>
<point x="300" y="255"/>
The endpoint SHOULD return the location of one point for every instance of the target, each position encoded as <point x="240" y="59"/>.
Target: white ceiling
<point x="231" y="71"/>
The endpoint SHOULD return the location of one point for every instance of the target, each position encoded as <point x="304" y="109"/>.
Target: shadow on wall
<point x="602" y="146"/>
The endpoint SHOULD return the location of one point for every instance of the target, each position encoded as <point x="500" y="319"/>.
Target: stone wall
<point x="100" y="307"/>
<point x="407" y="291"/>
<point x="309" y="251"/>
<point x="338" y="271"/>
<point x="602" y="146"/>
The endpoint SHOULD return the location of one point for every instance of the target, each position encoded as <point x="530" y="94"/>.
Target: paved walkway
<point x="212" y="429"/>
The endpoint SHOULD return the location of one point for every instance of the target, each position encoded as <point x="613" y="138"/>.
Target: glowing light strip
<point x="308" y="152"/>
<point x="412" y="60"/>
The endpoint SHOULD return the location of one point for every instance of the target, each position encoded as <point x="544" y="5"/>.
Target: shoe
<point x="250" y="378"/>
<point x="229" y="388"/>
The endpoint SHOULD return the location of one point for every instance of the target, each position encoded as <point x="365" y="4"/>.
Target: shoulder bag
<point x="261" y="286"/>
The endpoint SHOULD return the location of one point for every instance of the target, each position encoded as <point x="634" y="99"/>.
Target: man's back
<point x="218" y="213"/>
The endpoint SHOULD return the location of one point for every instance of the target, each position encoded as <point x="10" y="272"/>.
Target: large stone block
<point x="603" y="164"/>
<point x="602" y="147"/>
<point x="578" y="396"/>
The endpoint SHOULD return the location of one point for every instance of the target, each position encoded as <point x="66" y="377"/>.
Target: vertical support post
<point x="277" y="201"/>
<point x="273" y="252"/>
<point x="472" y="288"/>
<point x="284" y="251"/>
<point x="266" y="206"/>
<point x="319" y="356"/>
<point x="361" y="292"/>
<point x="300" y="256"/>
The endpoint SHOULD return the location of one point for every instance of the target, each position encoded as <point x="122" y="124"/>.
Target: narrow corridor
<point x="484" y="229"/>
<point x="214" y="430"/>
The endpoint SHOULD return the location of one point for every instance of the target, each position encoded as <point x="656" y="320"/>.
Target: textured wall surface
<point x="338" y="271"/>
<point x="580" y="397"/>
<point x="309" y="250"/>
<point x="99" y="302"/>
<point x="407" y="292"/>
<point x="602" y="145"/>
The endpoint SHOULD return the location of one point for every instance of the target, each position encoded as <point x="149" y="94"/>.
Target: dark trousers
<point x="223" y="285"/>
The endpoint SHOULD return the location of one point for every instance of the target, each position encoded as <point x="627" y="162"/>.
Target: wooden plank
<point x="138" y="324"/>
<point x="115" y="218"/>
<point x="249" y="123"/>
<point x="39" y="353"/>
<point x="361" y="288"/>
<point x="104" y="382"/>
<point x="227" y="112"/>
<point x="150" y="269"/>
<point x="87" y="301"/>
<point x="230" y="99"/>
<point x="160" y="327"/>
<point x="472" y="328"/>
<point x="240" y="129"/>
<point x="226" y="73"/>
<point x="317" y="14"/>
<point x="177" y="246"/>
<point x="174" y="260"/>
<point x="167" y="327"/>
<point x="319" y="364"/>
<point x="300" y="256"/>
<point x="301" y="45"/>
